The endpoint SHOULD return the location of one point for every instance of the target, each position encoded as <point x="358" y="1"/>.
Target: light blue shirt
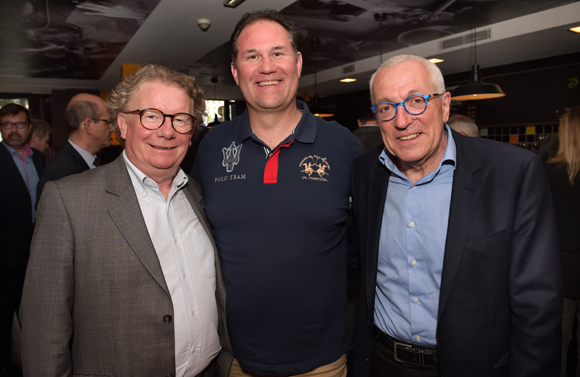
<point x="411" y="249"/>
<point x="27" y="171"/>
<point x="89" y="158"/>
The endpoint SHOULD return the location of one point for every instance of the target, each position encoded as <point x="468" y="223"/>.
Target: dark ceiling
<point x="82" y="41"/>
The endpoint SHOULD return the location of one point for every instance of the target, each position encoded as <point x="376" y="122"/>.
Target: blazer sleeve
<point x="535" y="279"/>
<point x="47" y="301"/>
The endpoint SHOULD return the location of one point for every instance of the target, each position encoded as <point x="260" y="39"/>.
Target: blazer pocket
<point x="486" y="239"/>
<point x="205" y="252"/>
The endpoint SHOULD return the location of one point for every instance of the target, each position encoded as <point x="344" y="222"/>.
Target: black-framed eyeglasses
<point x="9" y="125"/>
<point x="107" y="121"/>
<point x="152" y="119"/>
<point x="415" y="104"/>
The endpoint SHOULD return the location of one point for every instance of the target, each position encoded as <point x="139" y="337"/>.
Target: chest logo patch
<point x="231" y="156"/>
<point x="315" y="168"/>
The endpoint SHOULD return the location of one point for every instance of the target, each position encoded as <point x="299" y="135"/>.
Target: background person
<point x="40" y="135"/>
<point x="20" y="167"/>
<point x="464" y="125"/>
<point x="90" y="130"/>
<point x="563" y="176"/>
<point x="368" y="132"/>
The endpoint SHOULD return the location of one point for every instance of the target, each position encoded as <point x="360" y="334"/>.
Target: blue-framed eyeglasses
<point x="415" y="104"/>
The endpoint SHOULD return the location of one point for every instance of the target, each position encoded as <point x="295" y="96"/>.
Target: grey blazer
<point x="95" y="300"/>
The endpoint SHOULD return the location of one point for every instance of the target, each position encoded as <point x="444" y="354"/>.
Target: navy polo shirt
<point x="278" y="219"/>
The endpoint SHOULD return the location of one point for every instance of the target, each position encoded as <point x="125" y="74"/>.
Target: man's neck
<point x="273" y="127"/>
<point x="82" y="142"/>
<point x="417" y="171"/>
<point x="21" y="150"/>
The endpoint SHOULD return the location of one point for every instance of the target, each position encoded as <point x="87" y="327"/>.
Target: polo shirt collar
<point x="305" y="131"/>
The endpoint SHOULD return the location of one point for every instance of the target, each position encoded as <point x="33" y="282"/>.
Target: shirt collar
<point x="449" y="156"/>
<point x="29" y="152"/>
<point x="305" y="131"/>
<point x="142" y="183"/>
<point x="89" y="158"/>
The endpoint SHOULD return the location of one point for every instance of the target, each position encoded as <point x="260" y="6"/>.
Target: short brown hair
<point x="14" y="109"/>
<point x="120" y="97"/>
<point x="262" y="15"/>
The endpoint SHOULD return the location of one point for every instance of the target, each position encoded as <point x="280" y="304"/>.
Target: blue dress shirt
<point x="27" y="171"/>
<point x="411" y="249"/>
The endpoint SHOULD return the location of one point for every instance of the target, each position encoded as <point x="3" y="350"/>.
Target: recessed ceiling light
<point x="348" y="80"/>
<point x="575" y="29"/>
<point x="436" y="60"/>
<point x="232" y="3"/>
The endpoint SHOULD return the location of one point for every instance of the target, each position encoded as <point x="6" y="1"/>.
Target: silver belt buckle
<point x="397" y="357"/>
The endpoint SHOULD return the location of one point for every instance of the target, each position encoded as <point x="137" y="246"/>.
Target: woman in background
<point x="564" y="179"/>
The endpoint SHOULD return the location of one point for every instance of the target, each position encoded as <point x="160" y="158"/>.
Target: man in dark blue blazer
<point x="20" y="167"/>
<point x="456" y="242"/>
<point x="89" y="131"/>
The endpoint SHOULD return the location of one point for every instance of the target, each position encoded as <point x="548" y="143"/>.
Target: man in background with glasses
<point x="124" y="278"/>
<point x="89" y="131"/>
<point x="456" y="241"/>
<point x="20" y="167"/>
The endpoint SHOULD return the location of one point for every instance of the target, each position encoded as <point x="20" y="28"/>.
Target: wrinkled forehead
<point x="402" y="80"/>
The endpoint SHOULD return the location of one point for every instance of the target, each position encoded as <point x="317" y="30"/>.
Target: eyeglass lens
<point x="153" y="119"/>
<point x="9" y="125"/>
<point x="414" y="105"/>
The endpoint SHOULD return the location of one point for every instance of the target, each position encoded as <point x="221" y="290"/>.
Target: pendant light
<point x="316" y="109"/>
<point x="476" y="89"/>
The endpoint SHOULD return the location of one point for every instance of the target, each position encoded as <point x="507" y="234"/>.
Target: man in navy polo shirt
<point x="277" y="186"/>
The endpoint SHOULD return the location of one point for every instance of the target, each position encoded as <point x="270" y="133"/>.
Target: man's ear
<point x="234" y="72"/>
<point x="122" y="123"/>
<point x="87" y="125"/>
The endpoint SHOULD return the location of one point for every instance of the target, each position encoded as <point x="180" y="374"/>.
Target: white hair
<point x="435" y="75"/>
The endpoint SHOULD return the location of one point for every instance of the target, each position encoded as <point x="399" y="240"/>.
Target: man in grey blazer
<point x="124" y="279"/>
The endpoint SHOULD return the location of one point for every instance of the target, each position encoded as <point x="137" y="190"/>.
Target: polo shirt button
<point x="167" y="318"/>
<point x="367" y="361"/>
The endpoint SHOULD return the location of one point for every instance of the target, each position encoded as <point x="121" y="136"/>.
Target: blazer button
<point x="167" y="319"/>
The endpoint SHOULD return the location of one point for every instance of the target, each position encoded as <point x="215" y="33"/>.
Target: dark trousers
<point x="11" y="283"/>
<point x="383" y="363"/>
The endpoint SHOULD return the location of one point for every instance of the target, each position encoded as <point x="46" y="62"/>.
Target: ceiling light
<point x="232" y="3"/>
<point x="575" y="29"/>
<point x="348" y="80"/>
<point x="436" y="60"/>
<point x="476" y="89"/>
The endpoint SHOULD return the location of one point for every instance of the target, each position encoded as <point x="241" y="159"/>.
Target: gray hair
<point x="78" y="111"/>
<point x="463" y="124"/>
<point x="120" y="98"/>
<point x="435" y="75"/>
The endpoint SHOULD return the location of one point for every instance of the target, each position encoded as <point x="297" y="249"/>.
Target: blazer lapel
<point x="126" y="213"/>
<point x="12" y="168"/>
<point x="464" y="197"/>
<point x="376" y="204"/>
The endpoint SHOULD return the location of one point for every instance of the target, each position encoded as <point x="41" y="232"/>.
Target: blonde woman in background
<point x="564" y="180"/>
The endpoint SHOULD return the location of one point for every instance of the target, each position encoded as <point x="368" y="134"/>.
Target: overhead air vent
<point x="480" y="35"/>
<point x="453" y="42"/>
<point x="348" y="69"/>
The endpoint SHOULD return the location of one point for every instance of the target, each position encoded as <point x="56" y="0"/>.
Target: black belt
<point x="211" y="370"/>
<point x="419" y="356"/>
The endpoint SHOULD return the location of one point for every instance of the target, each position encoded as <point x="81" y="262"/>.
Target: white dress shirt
<point x="188" y="263"/>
